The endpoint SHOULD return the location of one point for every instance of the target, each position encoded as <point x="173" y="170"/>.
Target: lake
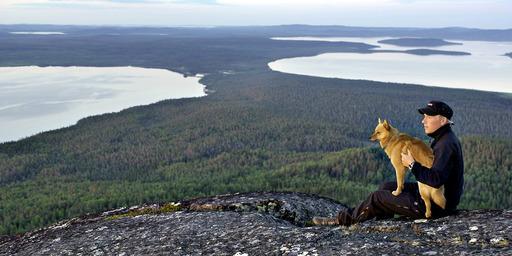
<point x="45" y="33"/>
<point x="485" y="69"/>
<point x="35" y="99"/>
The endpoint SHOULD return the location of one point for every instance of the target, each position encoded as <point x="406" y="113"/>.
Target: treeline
<point x="459" y="33"/>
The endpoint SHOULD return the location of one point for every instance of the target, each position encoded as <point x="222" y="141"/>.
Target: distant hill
<point x="283" y="30"/>
<point x="257" y="130"/>
<point x="509" y="54"/>
<point x="417" y="42"/>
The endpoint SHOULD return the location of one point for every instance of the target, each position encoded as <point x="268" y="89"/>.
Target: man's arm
<point x="438" y="174"/>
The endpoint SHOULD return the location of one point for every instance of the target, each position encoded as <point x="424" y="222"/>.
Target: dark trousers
<point x="381" y="204"/>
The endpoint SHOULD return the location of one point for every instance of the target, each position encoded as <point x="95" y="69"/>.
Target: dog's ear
<point x="386" y="124"/>
<point x="380" y="122"/>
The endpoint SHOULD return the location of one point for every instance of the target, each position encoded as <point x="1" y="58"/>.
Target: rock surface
<point x="262" y="224"/>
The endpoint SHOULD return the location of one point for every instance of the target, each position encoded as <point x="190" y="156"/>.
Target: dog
<point x="394" y="143"/>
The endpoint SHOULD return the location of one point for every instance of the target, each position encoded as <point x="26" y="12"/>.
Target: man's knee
<point x="390" y="186"/>
<point x="379" y="197"/>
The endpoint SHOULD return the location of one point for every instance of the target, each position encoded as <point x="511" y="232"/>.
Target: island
<point x="417" y="42"/>
<point x="426" y="52"/>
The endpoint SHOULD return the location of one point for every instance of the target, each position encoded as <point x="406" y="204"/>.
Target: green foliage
<point x="348" y="176"/>
<point x="488" y="173"/>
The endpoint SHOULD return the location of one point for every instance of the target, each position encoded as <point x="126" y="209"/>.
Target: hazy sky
<point x="396" y="13"/>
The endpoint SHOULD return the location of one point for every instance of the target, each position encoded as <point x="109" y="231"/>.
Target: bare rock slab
<point x="262" y="224"/>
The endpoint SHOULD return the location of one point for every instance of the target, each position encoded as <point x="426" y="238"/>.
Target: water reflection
<point x="35" y="99"/>
<point x="485" y="69"/>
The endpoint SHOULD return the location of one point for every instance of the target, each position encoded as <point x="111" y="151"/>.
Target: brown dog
<point x="393" y="142"/>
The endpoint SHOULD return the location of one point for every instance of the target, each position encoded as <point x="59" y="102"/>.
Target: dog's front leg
<point x="400" y="177"/>
<point x="428" y="208"/>
<point x="426" y="196"/>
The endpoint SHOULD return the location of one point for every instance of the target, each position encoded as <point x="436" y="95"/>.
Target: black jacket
<point x="447" y="169"/>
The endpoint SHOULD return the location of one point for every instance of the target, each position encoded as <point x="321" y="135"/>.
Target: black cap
<point x="435" y="108"/>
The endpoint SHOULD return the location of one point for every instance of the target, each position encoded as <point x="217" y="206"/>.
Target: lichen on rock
<point x="262" y="224"/>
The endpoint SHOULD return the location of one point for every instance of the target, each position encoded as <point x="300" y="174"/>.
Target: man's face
<point x="432" y="123"/>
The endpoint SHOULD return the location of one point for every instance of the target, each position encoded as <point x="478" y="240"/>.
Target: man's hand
<point x="407" y="159"/>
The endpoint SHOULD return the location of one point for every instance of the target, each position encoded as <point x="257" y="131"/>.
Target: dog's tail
<point x="439" y="198"/>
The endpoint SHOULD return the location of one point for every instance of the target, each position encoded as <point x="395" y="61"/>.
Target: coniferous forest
<point x="257" y="130"/>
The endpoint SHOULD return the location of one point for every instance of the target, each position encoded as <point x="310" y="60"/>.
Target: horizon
<point x="237" y="26"/>
<point x="235" y="13"/>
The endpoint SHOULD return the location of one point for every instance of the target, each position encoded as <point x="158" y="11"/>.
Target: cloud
<point x="419" y="13"/>
<point x="17" y="2"/>
<point x="141" y="5"/>
<point x="290" y="3"/>
<point x="99" y="2"/>
<point x="306" y="2"/>
<point x="355" y="3"/>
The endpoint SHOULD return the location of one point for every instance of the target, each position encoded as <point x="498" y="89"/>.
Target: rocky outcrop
<point x="262" y="224"/>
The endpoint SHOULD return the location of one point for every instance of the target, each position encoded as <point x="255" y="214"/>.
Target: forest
<point x="257" y="130"/>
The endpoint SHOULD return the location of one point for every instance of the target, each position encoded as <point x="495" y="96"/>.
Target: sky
<point x="489" y="14"/>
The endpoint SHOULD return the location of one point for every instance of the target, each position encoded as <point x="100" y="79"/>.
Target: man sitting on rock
<point x="447" y="170"/>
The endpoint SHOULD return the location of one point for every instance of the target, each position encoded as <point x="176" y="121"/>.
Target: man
<point x="447" y="170"/>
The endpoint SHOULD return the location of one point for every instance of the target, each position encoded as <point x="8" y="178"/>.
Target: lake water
<point x="37" y="33"/>
<point x="35" y="99"/>
<point x="485" y="69"/>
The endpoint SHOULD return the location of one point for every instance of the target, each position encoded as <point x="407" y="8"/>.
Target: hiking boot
<point x="324" y="221"/>
<point x="345" y="217"/>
